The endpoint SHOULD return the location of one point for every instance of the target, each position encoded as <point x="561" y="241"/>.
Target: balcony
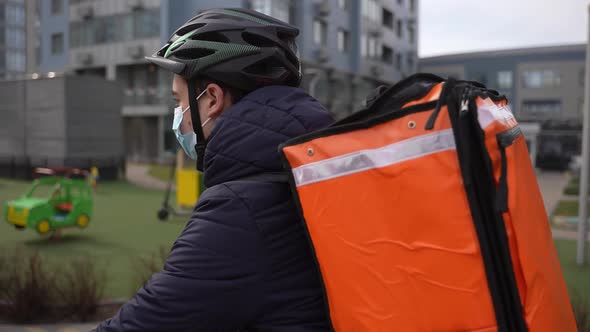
<point x="322" y="8"/>
<point x="85" y="12"/>
<point x="322" y="54"/>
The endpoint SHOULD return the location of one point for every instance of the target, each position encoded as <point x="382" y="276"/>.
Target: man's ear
<point x="217" y="101"/>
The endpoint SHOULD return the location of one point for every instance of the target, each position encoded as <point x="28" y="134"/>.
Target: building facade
<point x="348" y="48"/>
<point x="544" y="85"/>
<point x="53" y="122"/>
<point x="13" y="46"/>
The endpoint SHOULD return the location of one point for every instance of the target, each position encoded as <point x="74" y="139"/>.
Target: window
<point x="398" y="61"/>
<point x="411" y="32"/>
<point x="343" y="41"/>
<point x="505" y="80"/>
<point x="56" y="7"/>
<point x="110" y="30"/>
<point x="15" y="61"/>
<point x="413" y="6"/>
<point x="278" y="9"/>
<point x="115" y="28"/>
<point x="387" y="55"/>
<point x="541" y="106"/>
<point x="152" y="84"/>
<point x="15" y="14"/>
<point x="371" y="10"/>
<point x="15" y="38"/>
<point x="126" y="23"/>
<point x="363" y="45"/>
<point x="400" y="2"/>
<point x="262" y="6"/>
<point x="343" y="4"/>
<point x="410" y="61"/>
<point x="370" y="47"/>
<point x="541" y="79"/>
<point x="100" y="33"/>
<point x="146" y="23"/>
<point x="320" y="32"/>
<point x="57" y="43"/>
<point x="388" y="18"/>
<point x="75" y="36"/>
<point x="582" y="77"/>
<point x="399" y="29"/>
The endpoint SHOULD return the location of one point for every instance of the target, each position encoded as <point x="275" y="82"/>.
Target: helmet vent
<point x="193" y="53"/>
<point x="257" y="40"/>
<point x="267" y="67"/>
<point x="189" y="27"/>
<point x="211" y="36"/>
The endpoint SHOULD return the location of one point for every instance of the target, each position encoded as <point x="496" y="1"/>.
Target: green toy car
<point x="52" y="203"/>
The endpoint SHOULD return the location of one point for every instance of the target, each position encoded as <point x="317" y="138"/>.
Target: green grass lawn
<point x="573" y="187"/>
<point x="577" y="278"/>
<point x="124" y="227"/>
<point x="567" y="209"/>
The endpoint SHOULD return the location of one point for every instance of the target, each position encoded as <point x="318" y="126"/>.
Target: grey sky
<point x="455" y="26"/>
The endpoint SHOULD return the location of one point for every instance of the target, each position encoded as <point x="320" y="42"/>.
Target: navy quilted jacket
<point x="242" y="263"/>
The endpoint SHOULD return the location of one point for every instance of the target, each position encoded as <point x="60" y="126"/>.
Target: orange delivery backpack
<point x="424" y="214"/>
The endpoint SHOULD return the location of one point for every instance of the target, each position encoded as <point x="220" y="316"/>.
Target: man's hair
<point x="234" y="94"/>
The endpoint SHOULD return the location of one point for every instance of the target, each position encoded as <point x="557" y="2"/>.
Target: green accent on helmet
<point x="247" y="17"/>
<point x="223" y="52"/>
<point x="178" y="41"/>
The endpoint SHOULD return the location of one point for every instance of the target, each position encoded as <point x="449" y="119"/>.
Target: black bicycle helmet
<point x="241" y="48"/>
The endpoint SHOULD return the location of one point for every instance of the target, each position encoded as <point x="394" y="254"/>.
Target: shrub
<point x="26" y="286"/>
<point x="80" y="288"/>
<point x="145" y="267"/>
<point x="32" y="290"/>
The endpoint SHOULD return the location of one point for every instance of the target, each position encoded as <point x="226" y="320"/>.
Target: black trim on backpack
<point x="339" y="129"/>
<point x="505" y="139"/>
<point x="395" y="97"/>
<point x="477" y="172"/>
<point x="443" y="97"/>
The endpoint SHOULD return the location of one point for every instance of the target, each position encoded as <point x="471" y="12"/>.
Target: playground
<point x="124" y="228"/>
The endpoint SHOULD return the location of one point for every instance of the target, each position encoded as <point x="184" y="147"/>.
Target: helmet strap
<point x="196" y="120"/>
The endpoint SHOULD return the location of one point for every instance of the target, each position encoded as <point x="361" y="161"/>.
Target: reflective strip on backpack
<point x="489" y="113"/>
<point x="375" y="158"/>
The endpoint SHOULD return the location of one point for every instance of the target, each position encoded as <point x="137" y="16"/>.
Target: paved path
<point x="551" y="185"/>
<point x="48" y="328"/>
<point x="138" y="175"/>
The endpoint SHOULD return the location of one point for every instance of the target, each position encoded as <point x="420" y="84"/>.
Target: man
<point x="243" y="261"/>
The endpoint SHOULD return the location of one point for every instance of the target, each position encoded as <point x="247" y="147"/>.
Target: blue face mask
<point x="188" y="140"/>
